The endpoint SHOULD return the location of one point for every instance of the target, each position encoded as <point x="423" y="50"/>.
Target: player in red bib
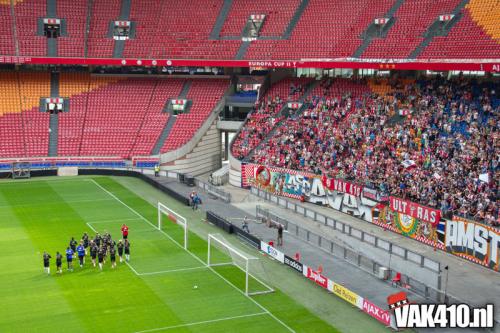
<point x="124" y="231"/>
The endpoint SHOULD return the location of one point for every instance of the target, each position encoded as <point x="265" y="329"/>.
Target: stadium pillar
<point x="226" y="145"/>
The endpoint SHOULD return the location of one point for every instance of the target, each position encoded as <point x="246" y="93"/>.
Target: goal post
<point x="249" y="268"/>
<point x="166" y="218"/>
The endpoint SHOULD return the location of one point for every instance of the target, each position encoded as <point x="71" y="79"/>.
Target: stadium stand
<point x="179" y="30"/>
<point x="99" y="44"/>
<point x="6" y="32"/>
<point x="265" y="116"/>
<point x="278" y="14"/>
<point x="434" y="156"/>
<point x="75" y="13"/>
<point x="481" y="20"/>
<point x="204" y="95"/>
<point x="27" y="12"/>
<point x="411" y="21"/>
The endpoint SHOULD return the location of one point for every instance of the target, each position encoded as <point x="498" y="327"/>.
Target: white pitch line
<point x="223" y="278"/>
<point x="174" y="270"/>
<point x="132" y="268"/>
<point x="202" y="322"/>
<point x="114" y="220"/>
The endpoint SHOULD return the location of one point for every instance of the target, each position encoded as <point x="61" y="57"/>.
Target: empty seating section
<point x="146" y="14"/>
<point x="36" y="123"/>
<point x="99" y="45"/>
<point x="154" y="119"/>
<point x="27" y="14"/>
<point x="23" y="127"/>
<point x="326" y="29"/>
<point x="75" y="13"/>
<point x="486" y="13"/>
<point x="6" y="33"/>
<point x="204" y="94"/>
<point x="266" y="115"/>
<point x="479" y="20"/>
<point x="412" y="20"/>
<point x="278" y="15"/>
<point x="11" y="126"/>
<point x="76" y="86"/>
<point x="183" y="31"/>
<point x="113" y="117"/>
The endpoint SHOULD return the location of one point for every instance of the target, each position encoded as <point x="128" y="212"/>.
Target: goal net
<point x="243" y="270"/>
<point x="173" y="224"/>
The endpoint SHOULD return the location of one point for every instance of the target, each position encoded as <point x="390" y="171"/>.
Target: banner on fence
<point x="415" y="210"/>
<point x="319" y="279"/>
<point x="345" y="293"/>
<point x="473" y="241"/>
<point x="409" y="226"/>
<point x="272" y="252"/>
<point x="289" y="261"/>
<point x="377" y="312"/>
<point x="338" y="194"/>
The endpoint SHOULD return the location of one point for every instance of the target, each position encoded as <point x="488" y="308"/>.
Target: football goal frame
<point x="174" y="218"/>
<point x="247" y="260"/>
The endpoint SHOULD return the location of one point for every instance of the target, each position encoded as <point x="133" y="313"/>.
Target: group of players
<point x="99" y="247"/>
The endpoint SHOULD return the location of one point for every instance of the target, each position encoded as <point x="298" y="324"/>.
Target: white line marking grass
<point x="202" y="322"/>
<point x="194" y="256"/>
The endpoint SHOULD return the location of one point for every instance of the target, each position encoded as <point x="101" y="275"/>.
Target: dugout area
<point x="155" y="290"/>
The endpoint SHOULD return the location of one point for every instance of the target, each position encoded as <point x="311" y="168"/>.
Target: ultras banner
<point x="347" y="197"/>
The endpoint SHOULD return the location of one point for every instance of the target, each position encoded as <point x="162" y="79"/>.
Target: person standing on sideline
<point x="126" y="245"/>
<point x="280" y="234"/>
<point x="244" y="227"/>
<point x="69" y="258"/>
<point x="81" y="253"/>
<point x="59" y="262"/>
<point x="157" y="170"/>
<point x="46" y="262"/>
<point x="124" y="231"/>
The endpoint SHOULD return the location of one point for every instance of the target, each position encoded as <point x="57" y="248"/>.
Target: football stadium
<point x="250" y="166"/>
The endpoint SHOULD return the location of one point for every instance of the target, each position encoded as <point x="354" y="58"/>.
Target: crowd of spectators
<point x="266" y="115"/>
<point x="444" y="153"/>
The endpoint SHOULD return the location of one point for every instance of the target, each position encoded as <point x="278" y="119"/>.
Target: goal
<point x="173" y="224"/>
<point x="243" y="270"/>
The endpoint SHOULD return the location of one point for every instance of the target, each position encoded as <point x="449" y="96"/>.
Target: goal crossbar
<point x="212" y="238"/>
<point x="175" y="218"/>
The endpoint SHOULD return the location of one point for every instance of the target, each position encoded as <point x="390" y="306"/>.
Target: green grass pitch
<point x="153" y="293"/>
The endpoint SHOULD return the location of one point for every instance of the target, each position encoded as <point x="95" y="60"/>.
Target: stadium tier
<point x="410" y="139"/>
<point x="108" y="116"/>
<point x="258" y="30"/>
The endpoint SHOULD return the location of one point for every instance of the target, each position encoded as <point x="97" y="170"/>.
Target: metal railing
<point x="361" y="235"/>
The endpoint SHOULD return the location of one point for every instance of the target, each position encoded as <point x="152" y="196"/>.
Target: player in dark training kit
<point x="81" y="253"/>
<point x="120" y="249"/>
<point x="93" y="252"/>
<point x="112" y="256"/>
<point x="85" y="239"/>
<point x="72" y="244"/>
<point x="100" y="256"/>
<point x="69" y="258"/>
<point x="59" y="262"/>
<point x="126" y="245"/>
<point x="46" y="262"/>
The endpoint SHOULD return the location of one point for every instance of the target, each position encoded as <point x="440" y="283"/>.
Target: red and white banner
<point x="319" y="279"/>
<point x="376" y="312"/>
<point x="122" y="24"/>
<point x="415" y="210"/>
<point x="381" y="21"/>
<point x="294" y="105"/>
<point x="51" y="21"/>
<point x="340" y="185"/>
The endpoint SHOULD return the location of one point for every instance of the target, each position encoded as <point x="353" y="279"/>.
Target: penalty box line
<point x="202" y="322"/>
<point x="157" y="272"/>
<point x="195" y="257"/>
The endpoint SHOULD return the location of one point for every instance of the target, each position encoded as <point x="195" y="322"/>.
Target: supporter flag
<point x="484" y="177"/>
<point x="408" y="164"/>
